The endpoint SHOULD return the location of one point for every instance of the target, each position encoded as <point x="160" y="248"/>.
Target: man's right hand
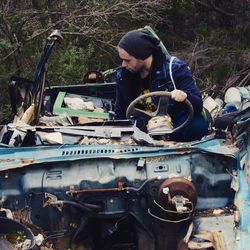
<point x="178" y="95"/>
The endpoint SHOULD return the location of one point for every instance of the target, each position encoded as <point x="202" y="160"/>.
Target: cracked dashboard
<point x="110" y="182"/>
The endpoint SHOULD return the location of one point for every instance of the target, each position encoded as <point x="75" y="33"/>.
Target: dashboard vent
<point x="98" y="151"/>
<point x="54" y="175"/>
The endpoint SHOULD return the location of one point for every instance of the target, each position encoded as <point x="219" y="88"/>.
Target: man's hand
<point x="178" y="95"/>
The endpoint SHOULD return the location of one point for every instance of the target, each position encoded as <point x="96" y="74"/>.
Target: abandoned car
<point x="72" y="177"/>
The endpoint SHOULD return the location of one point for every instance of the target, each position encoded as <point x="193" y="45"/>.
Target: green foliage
<point x="220" y="73"/>
<point x="216" y="32"/>
<point x="69" y="64"/>
<point x="16" y="237"/>
<point x="6" y="110"/>
<point x="203" y="29"/>
<point x="4" y="44"/>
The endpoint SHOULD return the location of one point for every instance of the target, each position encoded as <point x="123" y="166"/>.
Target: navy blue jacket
<point x="129" y="86"/>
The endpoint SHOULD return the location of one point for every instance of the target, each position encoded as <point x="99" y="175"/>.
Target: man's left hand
<point x="178" y="95"/>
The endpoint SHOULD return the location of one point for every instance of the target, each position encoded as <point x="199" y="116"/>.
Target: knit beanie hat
<point x="139" y="44"/>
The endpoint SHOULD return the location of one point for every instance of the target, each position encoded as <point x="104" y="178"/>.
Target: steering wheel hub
<point x="160" y="125"/>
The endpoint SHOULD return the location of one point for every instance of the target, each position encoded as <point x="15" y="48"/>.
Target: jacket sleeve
<point x="120" y="107"/>
<point x="184" y="81"/>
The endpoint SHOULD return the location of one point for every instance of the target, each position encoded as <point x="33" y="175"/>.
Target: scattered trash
<point x="218" y="211"/>
<point x="62" y="120"/>
<point x="103" y="141"/>
<point x="85" y="141"/>
<point x="52" y="138"/>
<point x="78" y="103"/>
<point x="39" y="239"/>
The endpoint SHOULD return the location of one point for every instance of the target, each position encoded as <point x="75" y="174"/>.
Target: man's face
<point x="129" y="62"/>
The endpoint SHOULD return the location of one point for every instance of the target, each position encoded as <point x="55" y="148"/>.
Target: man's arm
<point x="120" y="109"/>
<point x="186" y="88"/>
<point x="120" y="104"/>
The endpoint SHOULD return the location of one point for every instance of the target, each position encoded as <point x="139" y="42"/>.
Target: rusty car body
<point x="83" y="180"/>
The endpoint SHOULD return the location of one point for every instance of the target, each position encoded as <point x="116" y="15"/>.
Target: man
<point x="145" y="68"/>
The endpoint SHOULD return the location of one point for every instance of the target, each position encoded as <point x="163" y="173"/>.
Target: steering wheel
<point x="162" y="109"/>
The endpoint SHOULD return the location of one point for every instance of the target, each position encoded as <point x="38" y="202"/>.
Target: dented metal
<point x="90" y="183"/>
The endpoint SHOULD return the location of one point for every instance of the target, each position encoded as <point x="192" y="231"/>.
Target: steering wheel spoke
<point x="142" y="114"/>
<point x="162" y="107"/>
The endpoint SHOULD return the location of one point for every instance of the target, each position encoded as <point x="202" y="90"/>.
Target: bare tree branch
<point x="215" y="8"/>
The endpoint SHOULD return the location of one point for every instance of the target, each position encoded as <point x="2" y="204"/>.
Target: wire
<point x="170" y="70"/>
<point x="122" y="218"/>
<point x="165" y="220"/>
<point x="42" y="184"/>
<point x="57" y="235"/>
<point x="175" y="212"/>
<point x="143" y="184"/>
<point x="170" y="211"/>
<point x="84" y="206"/>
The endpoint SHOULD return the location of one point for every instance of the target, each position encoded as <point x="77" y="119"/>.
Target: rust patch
<point x="23" y="216"/>
<point x="183" y="150"/>
<point x="213" y="240"/>
<point x="218" y="240"/>
<point x="27" y="161"/>
<point x="210" y="212"/>
<point x="6" y="160"/>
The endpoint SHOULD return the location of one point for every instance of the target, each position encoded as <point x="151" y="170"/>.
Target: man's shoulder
<point x="122" y="74"/>
<point x="172" y="64"/>
<point x="176" y="62"/>
<point x="119" y="71"/>
<point x="117" y="74"/>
